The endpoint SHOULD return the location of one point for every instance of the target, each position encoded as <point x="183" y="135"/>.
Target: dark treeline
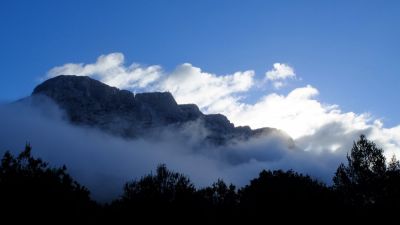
<point x="365" y="188"/>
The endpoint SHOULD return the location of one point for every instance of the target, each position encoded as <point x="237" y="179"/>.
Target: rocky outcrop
<point x="91" y="103"/>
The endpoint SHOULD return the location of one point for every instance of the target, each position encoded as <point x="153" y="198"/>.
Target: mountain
<point x="88" y="102"/>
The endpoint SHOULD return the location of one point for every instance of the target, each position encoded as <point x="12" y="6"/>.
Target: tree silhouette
<point x="220" y="202"/>
<point x="365" y="188"/>
<point x="275" y="192"/>
<point x="391" y="198"/>
<point x="30" y="190"/>
<point x="394" y="165"/>
<point x="362" y="180"/>
<point x="220" y="194"/>
<point x="368" y="185"/>
<point x="164" y="187"/>
<point x="163" y="193"/>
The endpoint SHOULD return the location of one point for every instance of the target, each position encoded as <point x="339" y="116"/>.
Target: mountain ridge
<point x="92" y="103"/>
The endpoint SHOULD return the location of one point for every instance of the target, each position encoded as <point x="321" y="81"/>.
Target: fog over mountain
<point x="119" y="112"/>
<point x="107" y="136"/>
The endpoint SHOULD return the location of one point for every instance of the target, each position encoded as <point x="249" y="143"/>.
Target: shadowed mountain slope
<point x="92" y="103"/>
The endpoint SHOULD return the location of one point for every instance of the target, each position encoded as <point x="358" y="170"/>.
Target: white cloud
<point x="315" y="126"/>
<point x="189" y="84"/>
<point x="278" y="84"/>
<point x="278" y="74"/>
<point x="111" y="70"/>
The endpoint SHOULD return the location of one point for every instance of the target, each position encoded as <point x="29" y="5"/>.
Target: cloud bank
<point x="315" y="126"/>
<point x="103" y="163"/>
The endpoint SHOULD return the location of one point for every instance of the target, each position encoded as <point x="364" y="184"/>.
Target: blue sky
<point x="349" y="50"/>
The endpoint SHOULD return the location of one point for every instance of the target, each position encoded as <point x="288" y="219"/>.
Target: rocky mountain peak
<point x="92" y="103"/>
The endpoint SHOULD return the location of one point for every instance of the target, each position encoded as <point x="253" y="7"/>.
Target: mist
<point x="103" y="162"/>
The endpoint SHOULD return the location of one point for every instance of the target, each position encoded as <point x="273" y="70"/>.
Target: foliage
<point x="365" y="188"/>
<point x="29" y="186"/>
<point x="367" y="182"/>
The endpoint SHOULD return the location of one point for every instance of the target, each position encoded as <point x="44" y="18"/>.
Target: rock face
<point x="91" y="103"/>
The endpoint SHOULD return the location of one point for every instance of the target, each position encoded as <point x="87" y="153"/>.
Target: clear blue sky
<point x="349" y="50"/>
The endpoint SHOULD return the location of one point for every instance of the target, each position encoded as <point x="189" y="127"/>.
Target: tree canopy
<point x="29" y="187"/>
<point x="368" y="181"/>
<point x="365" y="187"/>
